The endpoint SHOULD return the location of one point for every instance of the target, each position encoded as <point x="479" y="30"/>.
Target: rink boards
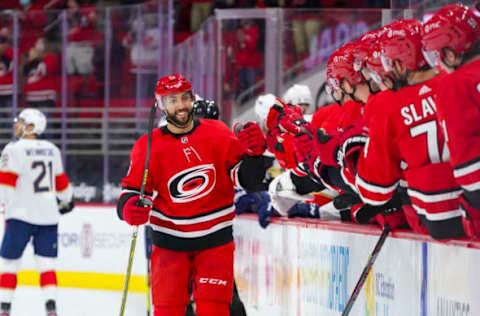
<point x="93" y="252"/>
<point x="308" y="267"/>
<point x="294" y="267"/>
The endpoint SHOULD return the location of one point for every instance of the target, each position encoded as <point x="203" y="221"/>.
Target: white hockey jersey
<point x="31" y="179"/>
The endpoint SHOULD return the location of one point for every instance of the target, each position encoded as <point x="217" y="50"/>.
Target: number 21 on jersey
<point x="44" y="180"/>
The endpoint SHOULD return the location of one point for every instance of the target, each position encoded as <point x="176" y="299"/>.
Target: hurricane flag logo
<point x="192" y="184"/>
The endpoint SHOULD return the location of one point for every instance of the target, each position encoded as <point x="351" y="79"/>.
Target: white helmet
<point x="298" y="94"/>
<point x="263" y="105"/>
<point x="34" y="117"/>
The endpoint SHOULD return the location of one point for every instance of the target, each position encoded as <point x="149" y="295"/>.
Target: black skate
<point x="5" y="309"/>
<point x="51" y="308"/>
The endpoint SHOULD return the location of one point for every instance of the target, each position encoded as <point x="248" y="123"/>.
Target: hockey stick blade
<point x="366" y="270"/>
<point x="142" y="200"/>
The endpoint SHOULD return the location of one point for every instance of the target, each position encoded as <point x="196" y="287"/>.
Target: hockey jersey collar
<point x="165" y="130"/>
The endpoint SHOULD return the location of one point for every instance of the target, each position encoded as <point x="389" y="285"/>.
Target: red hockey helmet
<point x="363" y="45"/>
<point x="172" y="84"/>
<point x="340" y="67"/>
<point x="373" y="64"/>
<point x="454" y="26"/>
<point x="403" y="42"/>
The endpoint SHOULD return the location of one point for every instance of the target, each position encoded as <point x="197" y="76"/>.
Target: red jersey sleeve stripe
<point x="61" y="182"/>
<point x="374" y="194"/>
<point x="466" y="168"/>
<point x="470" y="181"/>
<point x="348" y="178"/>
<point x="299" y="172"/>
<point x="468" y="174"/>
<point x="234" y="175"/>
<point x="440" y="216"/>
<point x="8" y="178"/>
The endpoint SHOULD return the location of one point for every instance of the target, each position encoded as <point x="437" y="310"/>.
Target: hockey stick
<point x="366" y="270"/>
<point x="148" y="252"/>
<point x="142" y="200"/>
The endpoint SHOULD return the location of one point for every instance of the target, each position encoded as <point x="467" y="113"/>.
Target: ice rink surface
<point x="28" y="301"/>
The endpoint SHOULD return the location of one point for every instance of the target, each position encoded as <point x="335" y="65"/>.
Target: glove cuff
<point x="121" y="203"/>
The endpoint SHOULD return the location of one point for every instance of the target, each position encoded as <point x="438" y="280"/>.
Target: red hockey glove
<point x="303" y="146"/>
<point x="274" y="113"/>
<point x="471" y="218"/>
<point x="327" y="147"/>
<point x="293" y="122"/>
<point x="281" y="145"/>
<point x="252" y="139"/>
<point x="271" y="139"/>
<point x="135" y="212"/>
<point x="352" y="142"/>
<point x="393" y="217"/>
<point x="362" y="213"/>
<point x="389" y="213"/>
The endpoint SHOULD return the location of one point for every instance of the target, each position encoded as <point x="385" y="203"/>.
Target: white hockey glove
<point x="283" y="193"/>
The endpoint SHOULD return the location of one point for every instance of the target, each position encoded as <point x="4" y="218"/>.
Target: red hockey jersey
<point x="40" y="81"/>
<point x="193" y="177"/>
<point x="6" y="73"/>
<point x="323" y="114"/>
<point x="459" y="113"/>
<point x="405" y="141"/>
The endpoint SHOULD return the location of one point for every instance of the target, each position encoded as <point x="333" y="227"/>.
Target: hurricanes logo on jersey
<point x="192" y="184"/>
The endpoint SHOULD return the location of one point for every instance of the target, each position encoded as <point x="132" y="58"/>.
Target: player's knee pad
<point x="9" y="265"/>
<point x="177" y="310"/>
<point x="8" y="278"/>
<point x="44" y="263"/>
<point x="208" y="308"/>
<point x="46" y="268"/>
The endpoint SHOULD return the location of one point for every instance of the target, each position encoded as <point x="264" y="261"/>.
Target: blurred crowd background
<point x="91" y="66"/>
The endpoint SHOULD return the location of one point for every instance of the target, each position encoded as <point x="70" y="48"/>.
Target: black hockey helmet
<point x="206" y="109"/>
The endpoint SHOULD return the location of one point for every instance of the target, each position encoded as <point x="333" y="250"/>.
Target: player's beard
<point x="172" y="118"/>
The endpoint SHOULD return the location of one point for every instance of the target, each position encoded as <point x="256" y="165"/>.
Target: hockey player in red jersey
<point x="40" y="72"/>
<point x="34" y="191"/>
<point x="405" y="140"/>
<point x="194" y="165"/>
<point x="346" y="65"/>
<point x="451" y="41"/>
